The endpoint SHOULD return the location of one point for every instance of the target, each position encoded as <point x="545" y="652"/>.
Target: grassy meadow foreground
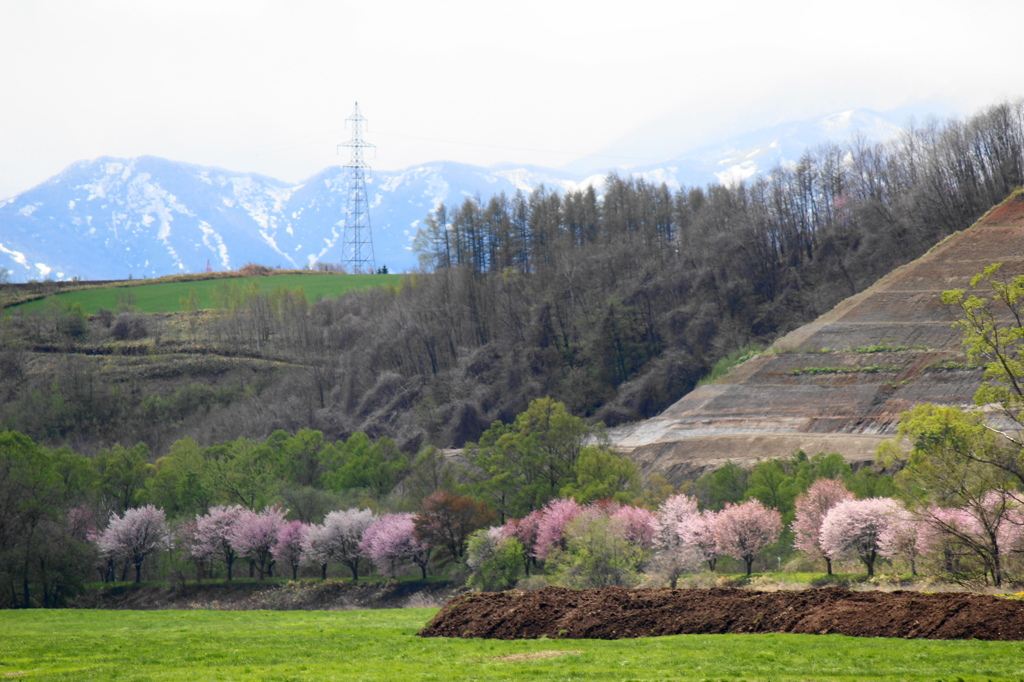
<point x="382" y="644"/>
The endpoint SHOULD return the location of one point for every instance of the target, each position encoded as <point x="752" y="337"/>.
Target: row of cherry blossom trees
<point x="831" y="524"/>
<point x="591" y="536"/>
<point x="393" y="542"/>
<point x="598" y="544"/>
<point x="609" y="543"/>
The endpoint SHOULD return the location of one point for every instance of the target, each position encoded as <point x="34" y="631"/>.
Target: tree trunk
<point x="869" y="561"/>
<point x="828" y="564"/>
<point x="997" y="572"/>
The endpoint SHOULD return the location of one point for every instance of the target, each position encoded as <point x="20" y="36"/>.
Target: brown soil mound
<point x="615" y="613"/>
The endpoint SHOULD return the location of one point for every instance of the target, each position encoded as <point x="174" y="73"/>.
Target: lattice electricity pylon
<point x="357" y="240"/>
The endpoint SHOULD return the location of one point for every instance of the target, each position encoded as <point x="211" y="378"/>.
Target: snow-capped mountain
<point x="114" y="218"/>
<point x="751" y="154"/>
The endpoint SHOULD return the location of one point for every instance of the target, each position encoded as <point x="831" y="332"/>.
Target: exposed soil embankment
<point x="616" y="613"/>
<point x="841" y="382"/>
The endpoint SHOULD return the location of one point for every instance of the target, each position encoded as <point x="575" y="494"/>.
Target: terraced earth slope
<point x="840" y="383"/>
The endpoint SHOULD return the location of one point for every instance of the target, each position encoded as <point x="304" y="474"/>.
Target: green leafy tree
<point x="598" y="553"/>
<point x="495" y="562"/>
<point x="78" y="476"/>
<point x="603" y="475"/>
<point x="991" y="319"/>
<point x="38" y="555"/>
<point x="185" y="482"/>
<point x="303" y="452"/>
<point x="375" y="467"/>
<point x="519" y="467"/>
<point x="945" y="453"/>
<point x="431" y="471"/>
<point x="249" y="473"/>
<point x="806" y="470"/>
<point x="495" y="473"/>
<point x="122" y="475"/>
<point x="770" y="484"/>
<point x="726" y="484"/>
<point x="866" y="482"/>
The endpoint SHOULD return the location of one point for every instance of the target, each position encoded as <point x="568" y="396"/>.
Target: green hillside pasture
<point x="157" y="297"/>
<point x="382" y="645"/>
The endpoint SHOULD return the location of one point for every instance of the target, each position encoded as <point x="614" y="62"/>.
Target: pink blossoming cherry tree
<point x="743" y="530"/>
<point x="254" y="536"/>
<point x="855" y="527"/>
<point x="811" y="508"/>
<point x="135" y="536"/>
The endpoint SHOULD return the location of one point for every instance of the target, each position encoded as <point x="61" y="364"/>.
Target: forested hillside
<point x="615" y="304"/>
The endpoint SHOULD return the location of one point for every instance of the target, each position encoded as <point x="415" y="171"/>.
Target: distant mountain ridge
<point x="115" y="218"/>
<point x="120" y="218"/>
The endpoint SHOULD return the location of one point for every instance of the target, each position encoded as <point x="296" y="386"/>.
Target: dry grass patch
<point x="532" y="656"/>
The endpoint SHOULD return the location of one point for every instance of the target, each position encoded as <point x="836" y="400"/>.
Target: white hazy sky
<point x="266" y="85"/>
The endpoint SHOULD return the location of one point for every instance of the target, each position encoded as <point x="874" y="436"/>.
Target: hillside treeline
<point x="617" y="304"/>
<point x="614" y="303"/>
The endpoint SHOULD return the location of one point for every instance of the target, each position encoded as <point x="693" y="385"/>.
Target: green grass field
<point x="382" y="645"/>
<point x="156" y="297"/>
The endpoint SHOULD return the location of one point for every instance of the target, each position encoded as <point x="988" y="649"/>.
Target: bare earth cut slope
<point x="840" y="383"/>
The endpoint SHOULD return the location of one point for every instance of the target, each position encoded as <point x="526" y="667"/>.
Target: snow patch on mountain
<point x="734" y="175"/>
<point x="215" y="243"/>
<point x="17" y="256"/>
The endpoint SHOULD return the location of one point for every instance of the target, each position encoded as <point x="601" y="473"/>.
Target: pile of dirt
<point x="616" y="613"/>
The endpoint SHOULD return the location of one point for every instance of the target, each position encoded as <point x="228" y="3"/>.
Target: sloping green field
<point x="382" y="645"/>
<point x="166" y="296"/>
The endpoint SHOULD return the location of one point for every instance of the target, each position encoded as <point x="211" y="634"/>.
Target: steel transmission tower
<point x="357" y="241"/>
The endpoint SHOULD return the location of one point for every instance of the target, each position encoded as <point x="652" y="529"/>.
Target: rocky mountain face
<point x="121" y="218"/>
<point x="840" y="383"/>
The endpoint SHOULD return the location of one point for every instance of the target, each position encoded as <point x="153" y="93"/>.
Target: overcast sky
<point x="266" y="85"/>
